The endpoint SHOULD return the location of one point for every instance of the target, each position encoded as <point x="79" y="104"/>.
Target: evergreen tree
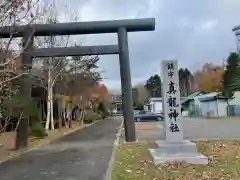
<point x="231" y="76"/>
<point x="153" y="85"/>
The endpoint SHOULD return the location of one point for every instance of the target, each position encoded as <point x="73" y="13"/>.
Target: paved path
<point x="194" y="129"/>
<point x="200" y="128"/>
<point x="149" y="130"/>
<point x="83" y="155"/>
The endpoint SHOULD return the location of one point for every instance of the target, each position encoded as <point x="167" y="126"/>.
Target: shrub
<point x="37" y="130"/>
<point x="138" y="106"/>
<point x="101" y="114"/>
<point x="103" y="110"/>
<point x="91" y="117"/>
<point x="20" y="105"/>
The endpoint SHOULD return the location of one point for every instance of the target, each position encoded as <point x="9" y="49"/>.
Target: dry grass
<point x="8" y="140"/>
<point x="133" y="162"/>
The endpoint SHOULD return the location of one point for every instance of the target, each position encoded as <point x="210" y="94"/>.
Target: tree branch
<point x="15" y="77"/>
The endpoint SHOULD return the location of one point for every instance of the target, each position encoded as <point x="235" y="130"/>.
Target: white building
<point x="156" y="104"/>
<point x="116" y="100"/>
<point x="213" y="105"/>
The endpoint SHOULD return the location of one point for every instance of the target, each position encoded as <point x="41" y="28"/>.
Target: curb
<point x="23" y="151"/>
<point x="108" y="173"/>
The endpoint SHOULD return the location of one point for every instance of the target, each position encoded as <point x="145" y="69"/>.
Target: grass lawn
<point x="133" y="162"/>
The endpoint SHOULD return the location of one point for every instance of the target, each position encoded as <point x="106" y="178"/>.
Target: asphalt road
<point x="83" y="155"/>
<point x="197" y="128"/>
<point x="194" y="129"/>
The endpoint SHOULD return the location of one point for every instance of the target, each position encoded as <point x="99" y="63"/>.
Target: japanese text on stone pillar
<point x="171" y="100"/>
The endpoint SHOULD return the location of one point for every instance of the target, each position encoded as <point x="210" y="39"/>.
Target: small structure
<point x="116" y="104"/>
<point x="191" y="105"/>
<point x="174" y="148"/>
<point x="189" y="100"/>
<point x="155" y="105"/>
<point x="117" y="108"/>
<point x="214" y="105"/>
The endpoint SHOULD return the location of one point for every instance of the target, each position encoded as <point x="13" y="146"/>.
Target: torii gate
<point x="121" y="27"/>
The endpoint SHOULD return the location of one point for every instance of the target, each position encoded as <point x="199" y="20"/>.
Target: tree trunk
<point x="48" y="100"/>
<point x="48" y="111"/>
<point x="70" y="117"/>
<point x="51" y="109"/>
<point x="22" y="134"/>
<point x="65" y="116"/>
<point x="82" y="117"/>
<point x="60" y="114"/>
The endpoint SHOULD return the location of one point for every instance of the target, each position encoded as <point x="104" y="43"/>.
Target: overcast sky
<point x="191" y="31"/>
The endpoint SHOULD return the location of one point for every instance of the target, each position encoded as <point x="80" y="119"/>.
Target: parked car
<point x="136" y="111"/>
<point x="148" y="116"/>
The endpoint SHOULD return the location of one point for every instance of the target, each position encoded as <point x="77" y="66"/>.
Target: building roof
<point x="155" y="99"/>
<point x="210" y="96"/>
<point x="191" y="97"/>
<point x="160" y="99"/>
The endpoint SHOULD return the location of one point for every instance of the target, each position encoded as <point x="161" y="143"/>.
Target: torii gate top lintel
<point x="77" y="28"/>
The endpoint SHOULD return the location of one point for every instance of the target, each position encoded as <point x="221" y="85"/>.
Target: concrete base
<point x="168" y="152"/>
<point x="135" y="142"/>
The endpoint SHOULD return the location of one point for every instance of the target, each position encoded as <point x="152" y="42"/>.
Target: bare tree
<point x="143" y="93"/>
<point x="51" y="69"/>
<point x="14" y="13"/>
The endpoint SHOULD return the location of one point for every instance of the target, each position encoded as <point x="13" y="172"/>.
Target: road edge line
<point x="108" y="174"/>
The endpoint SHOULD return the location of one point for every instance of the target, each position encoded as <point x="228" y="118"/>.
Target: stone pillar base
<point x="168" y="152"/>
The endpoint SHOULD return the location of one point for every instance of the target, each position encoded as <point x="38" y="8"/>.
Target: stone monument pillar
<point x="174" y="148"/>
<point x="171" y="102"/>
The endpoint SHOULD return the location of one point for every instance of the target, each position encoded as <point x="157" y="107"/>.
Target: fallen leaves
<point x="128" y="170"/>
<point x="175" y="165"/>
<point x="134" y="162"/>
